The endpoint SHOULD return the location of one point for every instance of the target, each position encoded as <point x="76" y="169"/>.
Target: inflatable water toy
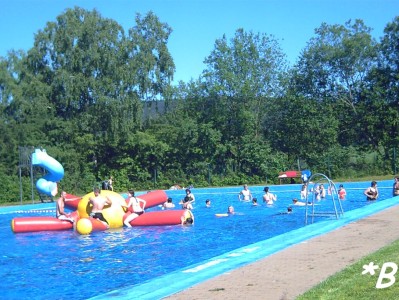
<point x="72" y="201"/>
<point x="47" y="184"/>
<point x="114" y="214"/>
<point x="153" y="218"/>
<point x="159" y="218"/>
<point x="47" y="223"/>
<point x="44" y="223"/>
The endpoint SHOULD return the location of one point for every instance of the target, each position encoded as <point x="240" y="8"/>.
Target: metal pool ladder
<point x="313" y="210"/>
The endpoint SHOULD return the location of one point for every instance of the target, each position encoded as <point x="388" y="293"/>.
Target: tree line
<point x="101" y="101"/>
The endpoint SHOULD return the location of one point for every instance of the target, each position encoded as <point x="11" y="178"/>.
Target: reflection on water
<point x="32" y="265"/>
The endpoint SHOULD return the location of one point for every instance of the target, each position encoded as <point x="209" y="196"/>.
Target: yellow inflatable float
<point x="112" y="213"/>
<point x="116" y="213"/>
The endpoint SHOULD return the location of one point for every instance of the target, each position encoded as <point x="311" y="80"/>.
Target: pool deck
<point x="290" y="272"/>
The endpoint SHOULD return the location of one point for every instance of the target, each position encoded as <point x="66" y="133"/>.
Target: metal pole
<point x="31" y="179"/>
<point x="155" y="177"/>
<point x="20" y="184"/>
<point x="209" y="174"/>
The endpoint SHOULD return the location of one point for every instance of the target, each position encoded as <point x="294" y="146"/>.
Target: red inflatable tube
<point x="158" y="218"/>
<point x="153" y="198"/>
<point x="72" y="201"/>
<point x="34" y="224"/>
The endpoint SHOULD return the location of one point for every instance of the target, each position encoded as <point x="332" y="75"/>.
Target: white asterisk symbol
<point x="369" y="268"/>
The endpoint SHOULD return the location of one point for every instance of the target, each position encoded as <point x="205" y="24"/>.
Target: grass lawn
<point x="351" y="284"/>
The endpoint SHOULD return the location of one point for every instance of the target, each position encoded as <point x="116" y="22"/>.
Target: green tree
<point x="335" y="63"/>
<point x="333" y="68"/>
<point x="240" y="74"/>
<point x="81" y="57"/>
<point x="300" y="127"/>
<point x="382" y="98"/>
<point x="151" y="66"/>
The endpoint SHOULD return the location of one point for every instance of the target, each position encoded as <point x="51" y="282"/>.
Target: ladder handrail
<point x="317" y="179"/>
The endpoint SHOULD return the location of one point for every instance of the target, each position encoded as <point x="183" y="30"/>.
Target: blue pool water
<point x="63" y="265"/>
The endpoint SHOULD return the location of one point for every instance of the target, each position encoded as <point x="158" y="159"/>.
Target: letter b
<point x="383" y="275"/>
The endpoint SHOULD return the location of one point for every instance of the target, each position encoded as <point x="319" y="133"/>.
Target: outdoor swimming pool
<point x="63" y="265"/>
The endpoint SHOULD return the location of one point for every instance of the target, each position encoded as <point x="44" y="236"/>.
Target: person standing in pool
<point x="371" y="192"/>
<point x="60" y="212"/>
<point x="395" y="191"/>
<point x="322" y="191"/>
<point x="188" y="200"/>
<point x="99" y="202"/>
<point x="268" y="197"/>
<point x="316" y="192"/>
<point x="304" y="191"/>
<point x="245" y="194"/>
<point x="341" y="192"/>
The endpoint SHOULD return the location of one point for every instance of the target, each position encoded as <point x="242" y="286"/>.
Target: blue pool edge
<point x="182" y="279"/>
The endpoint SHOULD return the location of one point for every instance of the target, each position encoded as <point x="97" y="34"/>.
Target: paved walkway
<point x="291" y="272"/>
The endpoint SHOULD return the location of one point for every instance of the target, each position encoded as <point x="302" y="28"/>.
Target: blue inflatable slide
<point x="47" y="184"/>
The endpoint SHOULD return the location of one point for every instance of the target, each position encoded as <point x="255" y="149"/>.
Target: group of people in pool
<point x="372" y="193"/>
<point x="246" y="196"/>
<point x="186" y="202"/>
<point x="269" y="198"/>
<point x="138" y="205"/>
<point x="319" y="190"/>
<point x="97" y="201"/>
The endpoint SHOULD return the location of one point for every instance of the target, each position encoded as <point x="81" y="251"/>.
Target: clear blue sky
<point x="197" y="24"/>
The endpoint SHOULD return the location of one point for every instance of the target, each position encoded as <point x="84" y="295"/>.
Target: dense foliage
<point x="101" y="101"/>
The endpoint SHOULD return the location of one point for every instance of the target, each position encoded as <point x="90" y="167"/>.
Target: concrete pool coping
<point x="282" y="267"/>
